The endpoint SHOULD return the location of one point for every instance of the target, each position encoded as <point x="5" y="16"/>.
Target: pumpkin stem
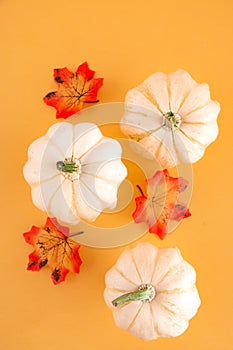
<point x="69" y="166"/>
<point x="146" y="293"/>
<point x="172" y="120"/>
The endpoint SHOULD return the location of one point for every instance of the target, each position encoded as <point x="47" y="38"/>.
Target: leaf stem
<point x="141" y="191"/>
<point x="76" y="234"/>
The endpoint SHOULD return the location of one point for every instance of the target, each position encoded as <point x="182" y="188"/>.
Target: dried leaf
<point x="53" y="248"/>
<point x="162" y="203"/>
<point x="74" y="89"/>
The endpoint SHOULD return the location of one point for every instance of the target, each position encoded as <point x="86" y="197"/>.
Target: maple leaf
<point x="161" y="204"/>
<point x="53" y="248"/>
<point x="74" y="89"/>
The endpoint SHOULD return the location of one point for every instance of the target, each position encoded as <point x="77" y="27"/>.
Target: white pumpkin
<point x="172" y="116"/>
<point x="152" y="292"/>
<point x="74" y="172"/>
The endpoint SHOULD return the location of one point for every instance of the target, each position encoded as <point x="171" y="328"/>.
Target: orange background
<point x="124" y="41"/>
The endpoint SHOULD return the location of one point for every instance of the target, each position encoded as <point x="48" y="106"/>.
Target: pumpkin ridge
<point x="88" y="164"/>
<point x="207" y="100"/>
<point x="124" y="276"/>
<point x="178" y="310"/>
<point x="186" y="95"/>
<point x="176" y="270"/>
<point x="131" y="98"/>
<point x="89" y="205"/>
<point x="155" y="265"/>
<point x="143" y="89"/>
<point x="100" y="177"/>
<point x="140" y="136"/>
<point x="157" y="86"/>
<point x="194" y="110"/>
<point x="175" y="290"/>
<point x="215" y="113"/>
<point x="135" y="265"/>
<point x="168" y="310"/>
<point x="167" y="157"/>
<point x="73" y="204"/>
<point x="194" y="123"/>
<point x="169" y="272"/>
<point x="128" y="110"/>
<point x="169" y="91"/>
<point x="190" y="138"/>
<point x="56" y="145"/>
<point x="155" y="325"/>
<point x="89" y="189"/>
<point x="158" y="150"/>
<point x="135" y="318"/>
<point x="175" y="148"/>
<point x="73" y="141"/>
<point x="118" y="290"/>
<point x="92" y="147"/>
<point x="54" y="193"/>
<point x="48" y="179"/>
<point x="153" y="274"/>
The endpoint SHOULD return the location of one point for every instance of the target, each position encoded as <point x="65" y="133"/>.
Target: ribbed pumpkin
<point x="172" y="116"/>
<point x="152" y="292"/>
<point x="74" y="172"/>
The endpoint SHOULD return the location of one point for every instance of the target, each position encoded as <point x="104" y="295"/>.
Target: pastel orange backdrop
<point x="124" y="41"/>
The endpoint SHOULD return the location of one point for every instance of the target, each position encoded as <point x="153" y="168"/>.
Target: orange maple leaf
<point x="53" y="248"/>
<point x="74" y="89"/>
<point x="162" y="204"/>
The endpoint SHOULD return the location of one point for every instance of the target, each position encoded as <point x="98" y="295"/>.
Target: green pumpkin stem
<point x="69" y="165"/>
<point x="145" y="292"/>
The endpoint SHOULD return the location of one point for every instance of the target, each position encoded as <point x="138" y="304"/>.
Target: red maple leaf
<point x="74" y="89"/>
<point x="53" y="248"/>
<point x="161" y="204"/>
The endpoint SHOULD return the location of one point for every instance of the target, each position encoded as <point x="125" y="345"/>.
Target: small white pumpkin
<point x="172" y="116"/>
<point x="74" y="172"/>
<point x="152" y="292"/>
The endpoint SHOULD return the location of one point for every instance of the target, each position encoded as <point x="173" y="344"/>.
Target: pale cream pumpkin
<point x="172" y="117"/>
<point x="152" y="292"/>
<point x="74" y="172"/>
